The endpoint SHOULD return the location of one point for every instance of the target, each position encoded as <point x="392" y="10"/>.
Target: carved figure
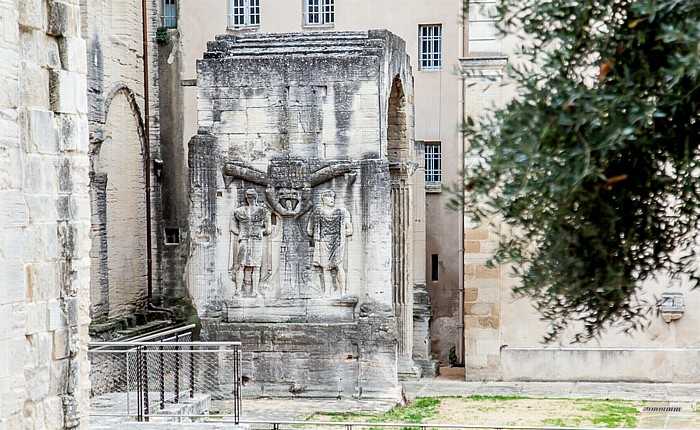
<point x="330" y="228"/>
<point x="250" y="222"/>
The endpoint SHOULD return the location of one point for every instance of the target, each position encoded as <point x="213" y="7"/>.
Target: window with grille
<point x="319" y="12"/>
<point x="430" y="47"/>
<point x="169" y="14"/>
<point x="244" y="13"/>
<point x="433" y="163"/>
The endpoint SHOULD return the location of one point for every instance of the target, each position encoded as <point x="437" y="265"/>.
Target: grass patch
<point x="612" y="413"/>
<point x="417" y="412"/>
<point x="508" y="410"/>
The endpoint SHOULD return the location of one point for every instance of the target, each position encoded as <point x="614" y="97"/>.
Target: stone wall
<point x="113" y="31"/>
<point x="301" y="219"/>
<point x="44" y="241"/>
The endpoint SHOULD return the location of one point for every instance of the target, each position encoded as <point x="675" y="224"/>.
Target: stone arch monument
<point x="301" y="213"/>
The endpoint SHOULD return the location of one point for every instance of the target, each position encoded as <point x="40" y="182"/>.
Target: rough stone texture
<point x="321" y="126"/>
<point x="44" y="241"/>
<point x="116" y="113"/>
<point x="173" y="178"/>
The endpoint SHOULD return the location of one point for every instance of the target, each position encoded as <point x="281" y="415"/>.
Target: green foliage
<point x="162" y="36"/>
<point x="418" y="412"/>
<point x="612" y="414"/>
<point x="595" y="165"/>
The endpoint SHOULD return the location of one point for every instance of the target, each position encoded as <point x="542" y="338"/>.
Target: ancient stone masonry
<point x="45" y="216"/>
<point x="118" y="144"/>
<point x="301" y="215"/>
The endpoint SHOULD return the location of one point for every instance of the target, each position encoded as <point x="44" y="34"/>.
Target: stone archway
<point x="119" y="254"/>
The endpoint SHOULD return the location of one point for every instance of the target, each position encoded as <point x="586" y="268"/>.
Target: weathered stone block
<point x="61" y="344"/>
<point x="13" y="211"/>
<point x="472" y="246"/>
<point x="492" y="322"/>
<point x="483" y="272"/>
<point x="480" y="233"/>
<point x="8" y="28"/>
<point x="36" y="317"/>
<point x="72" y="51"/>
<point x="471" y="294"/>
<point x="67" y="92"/>
<point x="38" y="383"/>
<point x="42" y="207"/>
<point x="477" y="308"/>
<point x="33" y="85"/>
<point x="56" y="317"/>
<point x="64" y="19"/>
<point x="9" y="96"/>
<point x="31" y="14"/>
<point x="40" y="134"/>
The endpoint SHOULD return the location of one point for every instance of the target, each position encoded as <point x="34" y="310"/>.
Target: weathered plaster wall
<point x="293" y="116"/>
<point x="44" y="242"/>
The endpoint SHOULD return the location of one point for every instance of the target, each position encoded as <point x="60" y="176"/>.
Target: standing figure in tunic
<point x="330" y="228"/>
<point x="251" y="222"/>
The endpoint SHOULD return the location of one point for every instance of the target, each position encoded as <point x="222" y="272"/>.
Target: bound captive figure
<point x="330" y="227"/>
<point x="250" y="222"/>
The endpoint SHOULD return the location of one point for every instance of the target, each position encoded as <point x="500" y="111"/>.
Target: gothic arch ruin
<point x="118" y="255"/>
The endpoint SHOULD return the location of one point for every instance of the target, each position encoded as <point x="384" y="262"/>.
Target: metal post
<point x="139" y="388"/>
<point x="144" y="384"/>
<point x="161" y="365"/>
<point x="192" y="358"/>
<point x="177" y="370"/>
<point x="237" y="384"/>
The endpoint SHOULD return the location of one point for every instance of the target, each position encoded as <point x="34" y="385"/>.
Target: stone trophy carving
<point x="288" y="181"/>
<point x="289" y="184"/>
<point x="250" y="223"/>
<point x="330" y="227"/>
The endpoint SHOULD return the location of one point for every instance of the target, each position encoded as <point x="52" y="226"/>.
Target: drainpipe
<point x="462" y="147"/>
<point x="147" y="140"/>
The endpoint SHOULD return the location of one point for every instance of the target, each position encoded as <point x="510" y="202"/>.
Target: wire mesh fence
<point x="168" y="377"/>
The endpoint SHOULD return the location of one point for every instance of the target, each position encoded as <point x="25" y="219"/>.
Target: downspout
<point x="462" y="146"/>
<point x="147" y="161"/>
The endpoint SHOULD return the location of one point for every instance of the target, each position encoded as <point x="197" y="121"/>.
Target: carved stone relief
<point x="330" y="228"/>
<point x="309" y="260"/>
<point x="250" y="224"/>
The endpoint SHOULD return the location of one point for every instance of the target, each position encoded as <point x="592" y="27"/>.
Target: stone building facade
<point x="301" y="218"/>
<point x="44" y="241"/>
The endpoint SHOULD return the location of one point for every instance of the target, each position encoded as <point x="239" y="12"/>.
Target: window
<point x="169" y="14"/>
<point x="433" y="163"/>
<point x="434" y="267"/>
<point x="172" y="235"/>
<point x="244" y="13"/>
<point x="319" y="12"/>
<point x="430" y="46"/>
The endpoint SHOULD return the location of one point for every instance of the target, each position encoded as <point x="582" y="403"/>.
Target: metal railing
<point x="164" y="375"/>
